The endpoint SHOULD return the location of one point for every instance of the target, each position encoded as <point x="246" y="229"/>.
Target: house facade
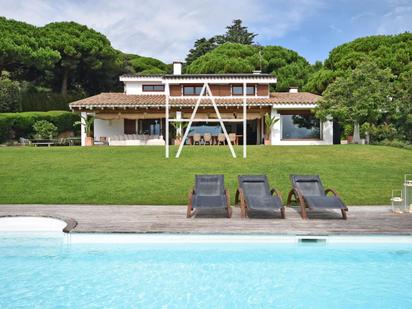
<point x="138" y="116"/>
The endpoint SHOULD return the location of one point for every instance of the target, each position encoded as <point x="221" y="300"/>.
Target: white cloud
<point x="396" y="21"/>
<point x="166" y="29"/>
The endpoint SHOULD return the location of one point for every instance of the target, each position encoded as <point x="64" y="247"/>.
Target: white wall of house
<point x="108" y="128"/>
<point x="135" y="87"/>
<point x="276" y="134"/>
<point x="83" y="116"/>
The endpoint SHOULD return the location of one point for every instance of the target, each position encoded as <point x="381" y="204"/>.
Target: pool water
<point x="45" y="271"/>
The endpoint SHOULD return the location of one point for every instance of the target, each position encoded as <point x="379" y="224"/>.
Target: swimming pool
<point x="48" y="270"/>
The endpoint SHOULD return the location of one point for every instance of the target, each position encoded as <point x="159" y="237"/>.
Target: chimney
<point x="177" y="68"/>
<point x="293" y="90"/>
<point x="256" y="72"/>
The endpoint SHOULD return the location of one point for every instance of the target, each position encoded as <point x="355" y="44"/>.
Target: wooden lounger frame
<point x="298" y="198"/>
<point x="190" y="210"/>
<point x="243" y="204"/>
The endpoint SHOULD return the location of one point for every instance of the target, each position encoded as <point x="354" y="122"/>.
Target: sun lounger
<point x="308" y="191"/>
<point x="255" y="196"/>
<point x="209" y="195"/>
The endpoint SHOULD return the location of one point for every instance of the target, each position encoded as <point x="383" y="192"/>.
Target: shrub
<point x="16" y="125"/>
<point x="44" y="129"/>
<point x="395" y="143"/>
<point x="380" y="132"/>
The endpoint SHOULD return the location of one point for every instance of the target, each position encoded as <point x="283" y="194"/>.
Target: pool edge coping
<point x="70" y="222"/>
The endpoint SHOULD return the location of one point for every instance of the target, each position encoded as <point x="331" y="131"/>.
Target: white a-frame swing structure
<point x="205" y="93"/>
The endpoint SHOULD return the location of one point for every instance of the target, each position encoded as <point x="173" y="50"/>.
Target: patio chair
<point x="308" y="191"/>
<point x="209" y="195"/>
<point x="232" y="138"/>
<point x="196" y="138"/>
<point x="255" y="196"/>
<point x="221" y="139"/>
<point x="207" y="138"/>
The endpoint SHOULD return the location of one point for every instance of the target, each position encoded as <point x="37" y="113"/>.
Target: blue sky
<point x="167" y="29"/>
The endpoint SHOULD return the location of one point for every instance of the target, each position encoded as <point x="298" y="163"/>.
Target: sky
<point x="166" y="29"/>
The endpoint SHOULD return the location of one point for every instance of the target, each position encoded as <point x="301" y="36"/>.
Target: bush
<point x="44" y="129"/>
<point x="380" y="132"/>
<point x="395" y="143"/>
<point x="16" y="125"/>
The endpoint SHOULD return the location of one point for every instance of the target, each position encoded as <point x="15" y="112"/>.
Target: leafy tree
<point x="235" y="33"/>
<point x="401" y="107"/>
<point x="145" y="65"/>
<point x="22" y="52"/>
<point x="318" y="81"/>
<point x="9" y="94"/>
<point x="358" y="98"/>
<point x="201" y="47"/>
<point x="82" y="51"/>
<point x="290" y="68"/>
<point x="387" y="51"/>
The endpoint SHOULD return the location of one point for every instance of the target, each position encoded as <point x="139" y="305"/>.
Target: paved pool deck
<point x="372" y="220"/>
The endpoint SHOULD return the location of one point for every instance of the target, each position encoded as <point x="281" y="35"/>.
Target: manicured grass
<point x="141" y="175"/>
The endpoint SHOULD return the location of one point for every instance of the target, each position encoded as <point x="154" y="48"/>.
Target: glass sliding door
<point x="149" y="126"/>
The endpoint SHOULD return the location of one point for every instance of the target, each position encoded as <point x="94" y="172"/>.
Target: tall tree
<point x="288" y="66"/>
<point x="387" y="51"/>
<point x="358" y="98"/>
<point x="9" y="94"/>
<point x="401" y="109"/>
<point x="201" y="47"/>
<point x="22" y="52"/>
<point x="79" y="48"/>
<point x="235" y="33"/>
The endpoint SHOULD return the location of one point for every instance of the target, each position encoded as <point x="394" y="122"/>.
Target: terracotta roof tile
<point x="294" y="98"/>
<point x="115" y="99"/>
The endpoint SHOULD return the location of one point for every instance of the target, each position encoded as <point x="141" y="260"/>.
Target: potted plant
<point x="179" y="127"/>
<point x="88" y="129"/>
<point x="348" y="129"/>
<point x="269" y="123"/>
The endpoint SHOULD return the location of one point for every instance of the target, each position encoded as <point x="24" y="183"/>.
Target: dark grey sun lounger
<point x="308" y="191"/>
<point x="255" y="196"/>
<point x="209" y="194"/>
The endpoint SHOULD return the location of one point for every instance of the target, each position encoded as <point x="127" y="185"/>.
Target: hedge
<point x="16" y="125"/>
<point x="47" y="101"/>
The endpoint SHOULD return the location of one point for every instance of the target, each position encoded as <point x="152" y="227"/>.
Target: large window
<point x="156" y="88"/>
<point x="238" y="90"/>
<point x="300" y="126"/>
<point x="149" y="126"/>
<point x="192" y="90"/>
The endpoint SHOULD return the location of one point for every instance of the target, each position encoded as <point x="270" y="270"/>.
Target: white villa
<point x="138" y="116"/>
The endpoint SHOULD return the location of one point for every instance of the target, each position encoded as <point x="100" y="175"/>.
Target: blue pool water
<point x="46" y="272"/>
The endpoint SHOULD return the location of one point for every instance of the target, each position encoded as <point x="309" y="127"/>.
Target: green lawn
<point x="141" y="175"/>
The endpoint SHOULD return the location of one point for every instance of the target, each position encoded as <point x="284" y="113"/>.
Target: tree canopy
<point x="387" y="51"/>
<point x="235" y="33"/>
<point x="290" y="68"/>
<point x="66" y="56"/>
<point x="358" y="98"/>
